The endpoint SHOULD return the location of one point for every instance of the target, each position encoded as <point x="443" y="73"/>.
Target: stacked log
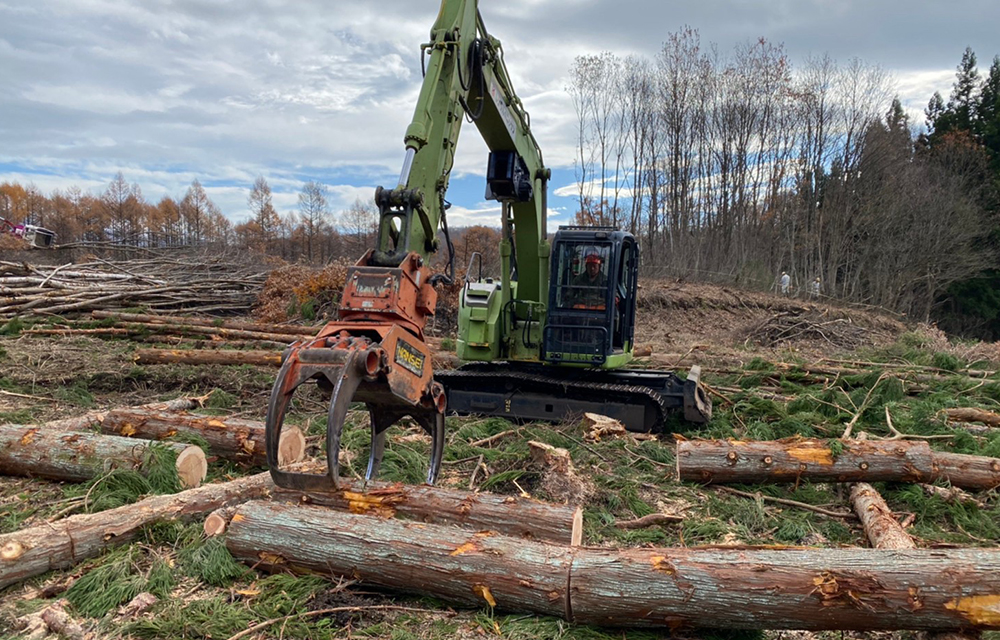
<point x="794" y="459"/>
<point x="811" y="589"/>
<point x="79" y="456"/>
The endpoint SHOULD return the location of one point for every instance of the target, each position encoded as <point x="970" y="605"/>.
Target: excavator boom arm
<point x="375" y="351"/>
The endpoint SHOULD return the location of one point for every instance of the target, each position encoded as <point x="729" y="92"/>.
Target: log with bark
<point x="229" y="438"/>
<point x="811" y="589"/>
<point x="881" y="527"/>
<point x="64" y="543"/>
<point x="794" y="459"/>
<point x="971" y="414"/>
<point x="885" y="532"/>
<point x="260" y="327"/>
<point x="509" y="515"/>
<point x="94" y="418"/>
<point x="441" y="359"/>
<point x="203" y="356"/>
<point x="76" y="456"/>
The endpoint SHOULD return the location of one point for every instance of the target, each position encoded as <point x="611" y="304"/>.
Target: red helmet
<point x="593" y="258"/>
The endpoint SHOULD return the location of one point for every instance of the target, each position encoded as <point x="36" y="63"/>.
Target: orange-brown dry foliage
<point x="291" y="289"/>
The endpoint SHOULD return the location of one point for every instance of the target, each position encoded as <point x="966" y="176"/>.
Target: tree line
<point x="314" y="233"/>
<point x="121" y="215"/>
<point x="741" y="165"/>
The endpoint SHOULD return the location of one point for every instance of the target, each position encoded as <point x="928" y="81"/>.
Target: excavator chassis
<point x="641" y="400"/>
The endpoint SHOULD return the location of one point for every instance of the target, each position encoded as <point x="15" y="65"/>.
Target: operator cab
<point x="592" y="296"/>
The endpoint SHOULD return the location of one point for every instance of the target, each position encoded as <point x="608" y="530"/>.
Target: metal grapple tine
<point x="276" y="409"/>
<point x="343" y="393"/>
<point x="380" y="421"/>
<point x="433" y="424"/>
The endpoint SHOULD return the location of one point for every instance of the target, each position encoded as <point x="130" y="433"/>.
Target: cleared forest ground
<point x="776" y="368"/>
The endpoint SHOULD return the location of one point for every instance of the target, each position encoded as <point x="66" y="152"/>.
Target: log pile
<point x="164" y="285"/>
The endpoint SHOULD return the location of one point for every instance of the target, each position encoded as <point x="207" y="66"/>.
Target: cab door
<point x="626" y="285"/>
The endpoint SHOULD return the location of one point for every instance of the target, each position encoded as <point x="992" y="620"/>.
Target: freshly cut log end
<point x="217" y="522"/>
<point x="192" y="467"/>
<point x="291" y="445"/>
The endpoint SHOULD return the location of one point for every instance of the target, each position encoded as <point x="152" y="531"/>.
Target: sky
<point x="169" y="91"/>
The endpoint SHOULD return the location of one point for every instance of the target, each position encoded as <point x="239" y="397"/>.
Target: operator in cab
<point x="589" y="286"/>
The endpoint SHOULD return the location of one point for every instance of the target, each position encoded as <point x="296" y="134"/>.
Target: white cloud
<point x="324" y="90"/>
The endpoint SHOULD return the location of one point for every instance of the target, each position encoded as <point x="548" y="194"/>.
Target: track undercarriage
<point x="642" y="400"/>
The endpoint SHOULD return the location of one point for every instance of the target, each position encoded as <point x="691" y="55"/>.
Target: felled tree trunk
<point x="881" y="527"/>
<point x="793" y="459"/>
<point x="207" y="356"/>
<point x="508" y="515"/>
<point x="969" y="414"/>
<point x="79" y="456"/>
<point x="229" y="438"/>
<point x="809" y="589"/>
<point x="288" y="329"/>
<point x="63" y="543"/>
<point x="92" y="418"/>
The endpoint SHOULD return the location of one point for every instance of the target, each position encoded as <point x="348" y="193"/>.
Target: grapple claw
<point x="356" y="369"/>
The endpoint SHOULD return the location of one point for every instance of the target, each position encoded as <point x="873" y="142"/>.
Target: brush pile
<point x="202" y="284"/>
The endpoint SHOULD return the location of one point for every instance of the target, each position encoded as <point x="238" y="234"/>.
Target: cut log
<point x="881" y="527"/>
<point x="217" y="522"/>
<point x="507" y="515"/>
<point x="63" y="543"/>
<point x="810" y="589"/>
<point x="79" y="456"/>
<point x="970" y="414"/>
<point x="965" y="471"/>
<point x="207" y="356"/>
<point x="293" y="329"/>
<point x="794" y="459"/>
<point x="95" y="418"/>
<point x="229" y="438"/>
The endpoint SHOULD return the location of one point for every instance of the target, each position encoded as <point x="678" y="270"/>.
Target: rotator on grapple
<point x="543" y="345"/>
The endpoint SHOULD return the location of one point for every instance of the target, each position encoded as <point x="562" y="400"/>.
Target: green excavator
<point x="549" y="337"/>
